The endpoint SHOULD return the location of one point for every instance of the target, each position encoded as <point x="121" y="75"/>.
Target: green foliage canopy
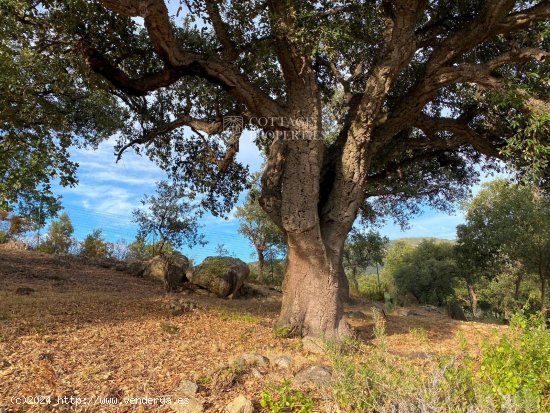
<point x="55" y="57"/>
<point x="428" y="271"/>
<point x="59" y="237"/>
<point x="508" y="222"/>
<point x="170" y="216"/>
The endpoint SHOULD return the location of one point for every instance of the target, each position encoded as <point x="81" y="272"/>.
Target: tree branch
<point x="178" y="62"/>
<point x="525" y="18"/>
<point x="157" y="23"/>
<point x="474" y="33"/>
<point x="208" y="127"/>
<point x="272" y="179"/>
<point x="297" y="70"/>
<point x="120" y="80"/>
<point x="222" y="32"/>
<point x="459" y="128"/>
<point x="483" y="74"/>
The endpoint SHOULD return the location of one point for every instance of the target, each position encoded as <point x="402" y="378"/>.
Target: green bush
<point x="286" y="400"/>
<point x="369" y="288"/>
<point x="59" y="237"/>
<point x="94" y="245"/>
<point x="514" y="371"/>
<point x="511" y="375"/>
<point x="519" y="365"/>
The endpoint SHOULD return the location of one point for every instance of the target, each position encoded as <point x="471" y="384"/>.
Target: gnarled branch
<point x="208" y="127"/>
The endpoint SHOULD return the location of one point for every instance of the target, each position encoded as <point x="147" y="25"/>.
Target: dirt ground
<point x="90" y="332"/>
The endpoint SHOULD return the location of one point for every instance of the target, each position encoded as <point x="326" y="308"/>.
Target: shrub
<point x="286" y="400"/>
<point x="59" y="238"/>
<point x="510" y="375"/>
<point x="519" y="365"/>
<point x="428" y="271"/>
<point x="94" y="245"/>
<point x="368" y="288"/>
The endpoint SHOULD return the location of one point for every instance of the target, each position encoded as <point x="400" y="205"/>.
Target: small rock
<point x="317" y="375"/>
<point x="257" y="373"/>
<point x="179" y="307"/>
<point x="190" y="405"/>
<point x="187" y="388"/>
<point x="240" y="404"/>
<point x="24" y="291"/>
<point x="282" y="362"/>
<point x="252" y="359"/>
<point x="313" y="345"/>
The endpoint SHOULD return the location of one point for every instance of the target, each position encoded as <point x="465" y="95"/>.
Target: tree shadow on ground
<point x="419" y="330"/>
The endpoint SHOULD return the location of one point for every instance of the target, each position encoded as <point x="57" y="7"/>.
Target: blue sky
<point x="108" y="192"/>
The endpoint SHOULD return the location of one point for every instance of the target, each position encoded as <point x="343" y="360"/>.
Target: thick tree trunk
<point x="315" y="286"/>
<point x="261" y="263"/>
<point x="473" y="299"/>
<point x="312" y="304"/>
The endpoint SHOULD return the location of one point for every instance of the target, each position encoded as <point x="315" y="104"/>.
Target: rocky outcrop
<point x="170" y="269"/>
<point x="223" y="276"/>
<point x="455" y="311"/>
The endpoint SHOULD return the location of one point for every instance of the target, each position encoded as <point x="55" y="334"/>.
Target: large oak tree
<point x="364" y="106"/>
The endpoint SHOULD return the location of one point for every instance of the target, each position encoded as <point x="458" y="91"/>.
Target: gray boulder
<point x="252" y="359"/>
<point x="240" y="404"/>
<point x="408" y="299"/>
<point x="223" y="276"/>
<point x="314" y="375"/>
<point x="170" y="269"/>
<point x="455" y="311"/>
<point x="282" y="362"/>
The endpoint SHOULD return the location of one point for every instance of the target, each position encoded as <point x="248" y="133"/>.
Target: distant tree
<point x="260" y="230"/>
<point x="170" y="217"/>
<point x="118" y="249"/>
<point x="141" y="250"/>
<point x="59" y="236"/>
<point x="478" y="258"/>
<point x="363" y="250"/>
<point x="94" y="245"/>
<point x="509" y="222"/>
<point x="428" y="271"/>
